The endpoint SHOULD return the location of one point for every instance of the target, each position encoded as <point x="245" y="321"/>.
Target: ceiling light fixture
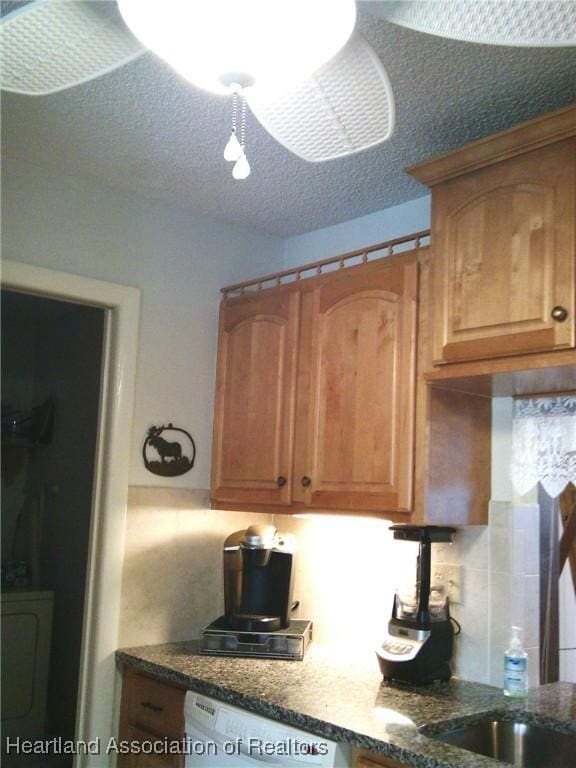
<point x="213" y="43"/>
<point x="227" y="46"/>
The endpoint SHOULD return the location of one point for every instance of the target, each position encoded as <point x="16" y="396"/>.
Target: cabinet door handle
<point x="559" y="314"/>
<point x="280" y="481"/>
<point x="151" y="707"/>
<point x="306" y="481"/>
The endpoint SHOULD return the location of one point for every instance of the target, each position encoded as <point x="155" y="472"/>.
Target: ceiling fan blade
<point x="48" y="46"/>
<point x="529" y="23"/>
<point x="345" y="107"/>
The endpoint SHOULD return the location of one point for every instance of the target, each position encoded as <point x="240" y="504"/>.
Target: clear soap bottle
<point x="516" y="667"/>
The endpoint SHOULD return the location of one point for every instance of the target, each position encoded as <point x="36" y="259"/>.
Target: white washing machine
<point x="26" y="636"/>
<point x="221" y="735"/>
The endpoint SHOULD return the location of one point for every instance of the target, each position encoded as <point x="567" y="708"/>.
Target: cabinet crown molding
<point x="546" y="129"/>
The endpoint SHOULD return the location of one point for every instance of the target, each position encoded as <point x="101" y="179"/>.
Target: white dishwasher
<point x="220" y="735"/>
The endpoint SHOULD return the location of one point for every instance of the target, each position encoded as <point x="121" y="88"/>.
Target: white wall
<point x="178" y="260"/>
<point x="400" y="220"/>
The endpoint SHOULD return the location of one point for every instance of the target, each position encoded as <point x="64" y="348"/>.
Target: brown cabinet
<point x="151" y="714"/>
<point x="255" y="394"/>
<point x="362" y="759"/>
<point x="160" y="757"/>
<point x="503" y="238"/>
<point x="368" y="389"/>
<point x="315" y="392"/>
<point x="360" y="426"/>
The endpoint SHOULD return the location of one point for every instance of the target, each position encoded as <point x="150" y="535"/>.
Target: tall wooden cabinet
<point x="503" y="239"/>
<point x="315" y="393"/>
<point x="255" y="396"/>
<point x="361" y="417"/>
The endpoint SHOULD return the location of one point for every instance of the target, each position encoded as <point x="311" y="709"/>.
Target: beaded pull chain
<point x="235" y="150"/>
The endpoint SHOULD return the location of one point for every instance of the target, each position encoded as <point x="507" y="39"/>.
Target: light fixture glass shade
<point x="266" y="42"/>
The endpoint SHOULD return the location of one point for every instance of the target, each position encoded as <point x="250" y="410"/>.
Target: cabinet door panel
<point x="154" y="753"/>
<point x="504" y="257"/>
<point x="362" y="394"/>
<point x="152" y="712"/>
<point x="368" y="760"/>
<point x="254" y="409"/>
<point x="153" y="706"/>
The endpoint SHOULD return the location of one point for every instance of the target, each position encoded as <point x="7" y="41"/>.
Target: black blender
<point x="419" y="644"/>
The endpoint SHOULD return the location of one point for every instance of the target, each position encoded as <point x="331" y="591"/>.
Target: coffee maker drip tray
<point x="291" y="643"/>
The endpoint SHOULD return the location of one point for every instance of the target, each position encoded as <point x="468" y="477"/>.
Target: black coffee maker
<point x="258" y="564"/>
<point x="419" y="644"/>
<point x="258" y="570"/>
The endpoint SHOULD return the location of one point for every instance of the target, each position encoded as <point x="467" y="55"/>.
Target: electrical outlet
<point x="438" y="577"/>
<point x="454" y="583"/>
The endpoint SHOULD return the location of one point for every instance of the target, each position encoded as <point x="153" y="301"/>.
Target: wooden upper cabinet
<point x="316" y="389"/>
<point x="503" y="238"/>
<point x="504" y="257"/>
<point x="361" y="409"/>
<point x="255" y="391"/>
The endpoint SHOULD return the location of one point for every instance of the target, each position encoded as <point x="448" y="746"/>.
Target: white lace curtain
<point x="544" y="444"/>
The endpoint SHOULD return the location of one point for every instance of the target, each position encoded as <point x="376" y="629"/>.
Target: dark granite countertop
<point x="330" y="695"/>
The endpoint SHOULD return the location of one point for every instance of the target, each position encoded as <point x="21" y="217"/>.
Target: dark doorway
<point x="51" y="380"/>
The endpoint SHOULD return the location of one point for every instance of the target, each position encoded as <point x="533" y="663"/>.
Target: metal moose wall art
<point x="168" y="451"/>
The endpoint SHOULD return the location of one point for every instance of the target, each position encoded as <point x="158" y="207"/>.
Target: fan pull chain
<point x="241" y="168"/>
<point x="243" y="123"/>
<point x="233" y="150"/>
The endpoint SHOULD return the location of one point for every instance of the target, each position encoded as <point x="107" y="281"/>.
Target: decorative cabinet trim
<point x="534" y="134"/>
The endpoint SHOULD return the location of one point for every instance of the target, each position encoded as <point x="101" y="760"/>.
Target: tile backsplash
<point x="172" y="577"/>
<point x="500" y="588"/>
<point x="346" y="571"/>
<point x="348" y="568"/>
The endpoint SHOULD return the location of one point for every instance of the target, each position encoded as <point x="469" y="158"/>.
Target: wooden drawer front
<point x="504" y="257"/>
<point x="154" y="706"/>
<point x="362" y="759"/>
<point x="143" y="760"/>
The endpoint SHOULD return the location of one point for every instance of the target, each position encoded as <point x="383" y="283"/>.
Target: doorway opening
<point x="98" y="686"/>
<point x="52" y="354"/>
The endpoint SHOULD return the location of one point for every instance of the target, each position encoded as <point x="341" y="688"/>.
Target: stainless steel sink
<point x="517" y="743"/>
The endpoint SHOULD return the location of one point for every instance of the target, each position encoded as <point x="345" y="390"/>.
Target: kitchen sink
<point x="519" y="744"/>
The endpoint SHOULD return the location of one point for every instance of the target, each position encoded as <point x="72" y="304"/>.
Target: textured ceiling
<point x="143" y="129"/>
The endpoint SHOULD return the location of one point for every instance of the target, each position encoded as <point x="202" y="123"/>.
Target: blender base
<point x="430" y="664"/>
